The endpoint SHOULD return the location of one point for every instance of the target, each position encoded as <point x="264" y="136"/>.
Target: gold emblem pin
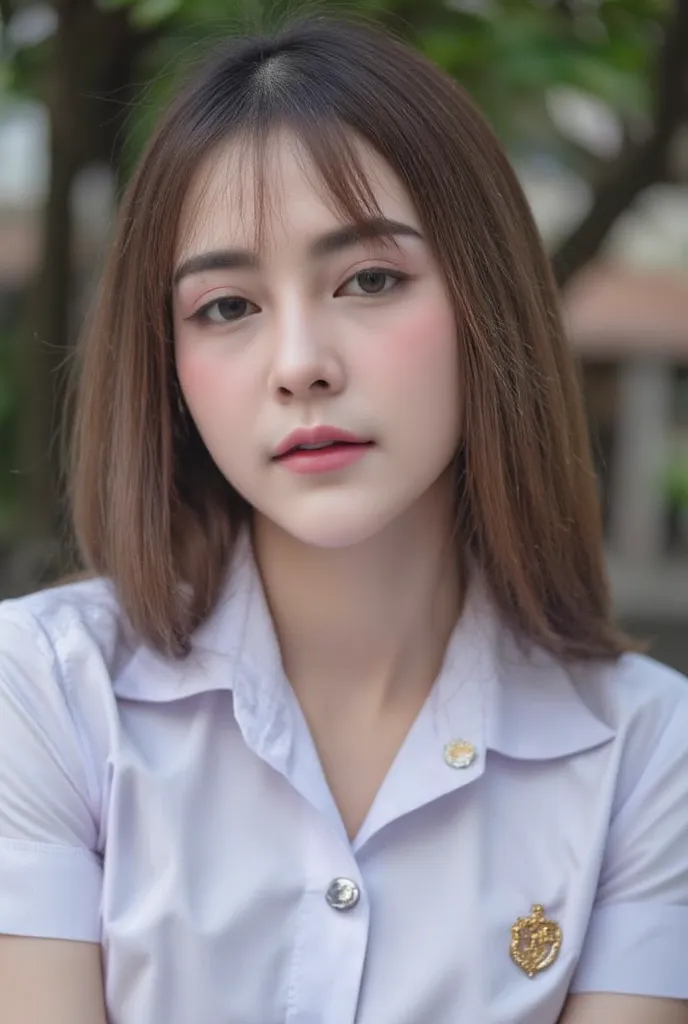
<point x="535" y="941"/>
<point x="459" y="754"/>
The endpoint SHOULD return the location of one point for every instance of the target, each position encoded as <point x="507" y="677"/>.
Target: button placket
<point x="326" y="979"/>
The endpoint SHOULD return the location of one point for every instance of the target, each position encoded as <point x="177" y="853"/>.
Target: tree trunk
<point x="87" y="85"/>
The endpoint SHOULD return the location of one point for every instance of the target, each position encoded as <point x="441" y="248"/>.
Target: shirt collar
<point x="530" y="707"/>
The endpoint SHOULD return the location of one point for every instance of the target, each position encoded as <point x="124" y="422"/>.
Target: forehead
<point x="232" y="190"/>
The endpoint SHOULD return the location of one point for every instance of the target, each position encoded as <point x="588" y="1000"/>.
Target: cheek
<point x="417" y="357"/>
<point x="214" y="392"/>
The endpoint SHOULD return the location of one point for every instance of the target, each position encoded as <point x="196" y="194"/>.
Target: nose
<point x="305" y="365"/>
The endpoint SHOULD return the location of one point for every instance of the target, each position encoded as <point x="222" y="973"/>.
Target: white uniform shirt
<point x="177" y="813"/>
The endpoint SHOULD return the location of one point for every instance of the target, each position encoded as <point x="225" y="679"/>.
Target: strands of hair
<point x="150" y="509"/>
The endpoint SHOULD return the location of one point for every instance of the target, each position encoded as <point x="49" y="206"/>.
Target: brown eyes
<point x="225" y="310"/>
<point x="372" y="281"/>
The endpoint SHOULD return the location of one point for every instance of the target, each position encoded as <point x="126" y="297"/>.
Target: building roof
<point x="611" y="312"/>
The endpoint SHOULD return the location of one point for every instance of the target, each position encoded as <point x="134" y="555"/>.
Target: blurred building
<point x="630" y="329"/>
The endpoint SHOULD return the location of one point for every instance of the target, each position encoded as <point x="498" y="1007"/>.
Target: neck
<point x="371" y="620"/>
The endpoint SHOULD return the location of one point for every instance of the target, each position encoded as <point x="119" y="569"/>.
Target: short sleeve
<point x="50" y="872"/>
<point x="637" y="941"/>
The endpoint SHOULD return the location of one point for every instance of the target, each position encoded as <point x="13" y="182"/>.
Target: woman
<point x="339" y="729"/>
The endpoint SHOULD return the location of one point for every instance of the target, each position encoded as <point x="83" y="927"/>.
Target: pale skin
<point x="329" y="550"/>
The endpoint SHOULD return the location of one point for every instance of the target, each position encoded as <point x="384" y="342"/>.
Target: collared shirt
<point x="177" y="813"/>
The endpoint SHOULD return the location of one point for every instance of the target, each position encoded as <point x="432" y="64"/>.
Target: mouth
<point x="316" y="439"/>
<point x="325" y="456"/>
<point x="323" y="446"/>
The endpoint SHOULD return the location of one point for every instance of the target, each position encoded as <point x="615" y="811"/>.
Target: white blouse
<point x="177" y="813"/>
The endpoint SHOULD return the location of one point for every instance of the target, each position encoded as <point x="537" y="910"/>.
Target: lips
<point x="316" y="439"/>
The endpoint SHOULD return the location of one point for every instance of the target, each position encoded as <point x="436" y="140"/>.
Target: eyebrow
<point x="332" y="241"/>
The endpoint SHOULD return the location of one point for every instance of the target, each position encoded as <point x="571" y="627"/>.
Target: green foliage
<point x="508" y="53"/>
<point x="676" y="483"/>
<point x="511" y="53"/>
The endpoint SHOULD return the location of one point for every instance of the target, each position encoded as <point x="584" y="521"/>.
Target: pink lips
<point x="341" y="449"/>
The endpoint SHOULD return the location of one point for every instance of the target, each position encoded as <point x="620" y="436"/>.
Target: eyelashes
<point x="229" y="309"/>
<point x="371" y="272"/>
<point x="225" y="309"/>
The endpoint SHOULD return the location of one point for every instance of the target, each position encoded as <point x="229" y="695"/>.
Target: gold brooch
<point x="459" y="754"/>
<point x="535" y="941"/>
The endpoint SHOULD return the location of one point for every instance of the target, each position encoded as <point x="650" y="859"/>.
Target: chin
<point x="336" y="528"/>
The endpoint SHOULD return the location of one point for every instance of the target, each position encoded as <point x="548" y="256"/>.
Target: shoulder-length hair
<point x="150" y="509"/>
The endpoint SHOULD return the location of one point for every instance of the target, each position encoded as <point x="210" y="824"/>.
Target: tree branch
<point x="6" y="12"/>
<point x="640" y="165"/>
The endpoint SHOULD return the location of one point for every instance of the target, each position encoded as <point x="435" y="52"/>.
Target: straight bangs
<point x="327" y="154"/>
<point x="151" y="510"/>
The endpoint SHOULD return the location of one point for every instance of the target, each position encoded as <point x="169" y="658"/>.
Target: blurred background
<point x="590" y="98"/>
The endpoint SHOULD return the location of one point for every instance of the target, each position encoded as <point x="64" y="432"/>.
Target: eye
<point x="375" y="281"/>
<point x="229" y="309"/>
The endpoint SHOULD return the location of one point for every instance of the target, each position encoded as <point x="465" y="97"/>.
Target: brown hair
<point x="150" y="509"/>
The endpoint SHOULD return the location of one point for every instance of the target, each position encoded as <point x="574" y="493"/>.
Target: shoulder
<point x="66" y="622"/>
<point x="645" y="704"/>
<point x="60" y="651"/>
<point x="86" y="611"/>
<point x="639" y="698"/>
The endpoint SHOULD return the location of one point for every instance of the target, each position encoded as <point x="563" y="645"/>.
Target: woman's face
<point x="322" y="332"/>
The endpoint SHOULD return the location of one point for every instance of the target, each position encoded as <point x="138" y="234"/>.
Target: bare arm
<point x="605" y="1008"/>
<point x="50" y="981"/>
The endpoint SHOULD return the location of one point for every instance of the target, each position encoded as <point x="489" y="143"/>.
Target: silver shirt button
<point x="343" y="894"/>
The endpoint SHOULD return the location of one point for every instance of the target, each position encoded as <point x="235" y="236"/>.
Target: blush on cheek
<point x="198" y="369"/>
<point x="420" y="346"/>
<point x="193" y="378"/>
<point x="221" y="400"/>
<point x="205" y="397"/>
